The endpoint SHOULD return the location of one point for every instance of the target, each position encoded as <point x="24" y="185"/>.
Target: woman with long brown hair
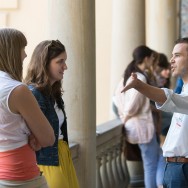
<point x="45" y="73"/>
<point x="135" y="112"/>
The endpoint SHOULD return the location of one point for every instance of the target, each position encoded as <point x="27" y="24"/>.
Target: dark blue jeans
<point x="176" y="175"/>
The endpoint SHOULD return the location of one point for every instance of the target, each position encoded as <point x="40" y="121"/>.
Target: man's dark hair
<point x="182" y="40"/>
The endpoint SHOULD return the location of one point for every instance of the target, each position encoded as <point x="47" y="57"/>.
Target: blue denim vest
<point x="49" y="155"/>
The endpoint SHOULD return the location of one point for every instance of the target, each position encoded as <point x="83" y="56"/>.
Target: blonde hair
<point x="12" y="42"/>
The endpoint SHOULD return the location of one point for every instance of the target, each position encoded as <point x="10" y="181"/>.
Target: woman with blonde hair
<point x="23" y="127"/>
<point x="45" y="73"/>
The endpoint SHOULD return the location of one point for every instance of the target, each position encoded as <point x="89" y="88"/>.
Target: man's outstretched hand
<point x="131" y="84"/>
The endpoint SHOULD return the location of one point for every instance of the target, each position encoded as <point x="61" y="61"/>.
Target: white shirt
<point x="176" y="142"/>
<point x="139" y="127"/>
<point x="13" y="129"/>
<point x="61" y="118"/>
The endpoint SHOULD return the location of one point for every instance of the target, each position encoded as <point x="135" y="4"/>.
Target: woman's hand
<point x="132" y="83"/>
<point x="34" y="144"/>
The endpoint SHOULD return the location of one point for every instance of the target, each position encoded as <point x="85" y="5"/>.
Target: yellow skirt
<point x="64" y="175"/>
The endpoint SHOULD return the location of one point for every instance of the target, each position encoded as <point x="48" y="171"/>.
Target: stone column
<point x="103" y="58"/>
<point x="73" y="23"/>
<point x="161" y="25"/>
<point x="128" y="31"/>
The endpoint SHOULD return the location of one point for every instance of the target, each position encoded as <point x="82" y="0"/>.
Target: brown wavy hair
<point x="12" y="41"/>
<point x="37" y="72"/>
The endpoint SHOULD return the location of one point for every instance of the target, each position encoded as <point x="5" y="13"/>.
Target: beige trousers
<point x="38" y="182"/>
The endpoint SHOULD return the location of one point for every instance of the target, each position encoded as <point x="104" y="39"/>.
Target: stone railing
<point x="111" y="168"/>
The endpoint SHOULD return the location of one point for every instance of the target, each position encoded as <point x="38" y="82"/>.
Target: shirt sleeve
<point x="174" y="103"/>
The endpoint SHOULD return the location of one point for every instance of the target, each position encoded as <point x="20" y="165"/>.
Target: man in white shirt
<point x="175" y="148"/>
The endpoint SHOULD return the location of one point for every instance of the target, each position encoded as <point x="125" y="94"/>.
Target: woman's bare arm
<point x="22" y="101"/>
<point x="153" y="93"/>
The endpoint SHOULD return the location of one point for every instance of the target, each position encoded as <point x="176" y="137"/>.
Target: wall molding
<point x="8" y="4"/>
<point x="3" y="19"/>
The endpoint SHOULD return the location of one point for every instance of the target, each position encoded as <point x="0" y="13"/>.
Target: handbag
<point x="132" y="152"/>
